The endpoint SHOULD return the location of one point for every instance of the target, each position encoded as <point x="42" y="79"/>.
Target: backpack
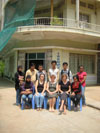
<point x="68" y="73"/>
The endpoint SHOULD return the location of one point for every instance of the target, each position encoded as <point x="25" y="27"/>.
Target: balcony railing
<point x="63" y="23"/>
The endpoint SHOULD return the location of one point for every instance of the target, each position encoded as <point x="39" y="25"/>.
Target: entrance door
<point x="36" y="58"/>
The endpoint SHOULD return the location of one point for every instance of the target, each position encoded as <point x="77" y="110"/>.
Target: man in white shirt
<point x="66" y="71"/>
<point x="54" y="70"/>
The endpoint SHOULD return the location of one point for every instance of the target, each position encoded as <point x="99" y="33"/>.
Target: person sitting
<point x="27" y="90"/>
<point x="19" y="76"/>
<point x="41" y="71"/>
<point x="40" y="88"/>
<point x="76" y="91"/>
<point x="64" y="89"/>
<point x="52" y="89"/>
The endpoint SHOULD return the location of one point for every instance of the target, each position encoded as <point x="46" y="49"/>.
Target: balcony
<point x="54" y="28"/>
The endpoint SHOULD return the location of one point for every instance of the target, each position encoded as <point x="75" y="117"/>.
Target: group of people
<point x="40" y="84"/>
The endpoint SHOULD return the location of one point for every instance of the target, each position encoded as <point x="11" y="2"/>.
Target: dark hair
<point x="76" y="76"/>
<point x="54" y="61"/>
<point x="32" y="65"/>
<point x="81" y="66"/>
<point x="28" y="77"/>
<point x="41" y="74"/>
<point x="19" y="67"/>
<point x="65" y="63"/>
<point x="40" y="65"/>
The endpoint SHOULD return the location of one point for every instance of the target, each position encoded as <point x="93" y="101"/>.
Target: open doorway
<point x="36" y="58"/>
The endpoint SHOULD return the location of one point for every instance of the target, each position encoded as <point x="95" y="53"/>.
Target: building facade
<point x="63" y="30"/>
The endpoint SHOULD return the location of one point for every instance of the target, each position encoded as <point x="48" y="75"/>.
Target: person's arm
<point x="45" y="76"/>
<point x="56" y="89"/>
<point x="69" y="90"/>
<point x="23" y="87"/>
<point x="31" y="87"/>
<point x="57" y="76"/>
<point x="44" y="88"/>
<point x="36" y="87"/>
<point x="16" y="78"/>
<point x="71" y="76"/>
<point x="84" y="79"/>
<point x="59" y="86"/>
<point x="79" y="89"/>
<point x="49" y="76"/>
<point x="48" y="88"/>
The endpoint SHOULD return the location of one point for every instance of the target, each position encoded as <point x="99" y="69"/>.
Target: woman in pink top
<point x="82" y="78"/>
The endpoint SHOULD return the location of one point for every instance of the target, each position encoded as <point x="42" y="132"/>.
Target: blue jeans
<point x="83" y="95"/>
<point x="39" y="100"/>
<point x="24" y="97"/>
<point x="18" y="97"/>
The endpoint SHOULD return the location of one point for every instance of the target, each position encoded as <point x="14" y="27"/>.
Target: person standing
<point x="32" y="72"/>
<point x="41" y="71"/>
<point x="66" y="71"/>
<point x="19" y="76"/>
<point x="54" y="70"/>
<point x="82" y="78"/>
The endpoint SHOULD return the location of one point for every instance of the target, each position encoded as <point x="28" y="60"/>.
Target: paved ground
<point x="14" y="120"/>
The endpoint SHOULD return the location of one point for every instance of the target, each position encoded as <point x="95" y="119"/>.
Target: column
<point x="98" y="66"/>
<point x="77" y="11"/>
<point x="51" y="10"/>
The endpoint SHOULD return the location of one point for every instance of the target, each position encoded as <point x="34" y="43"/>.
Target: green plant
<point x="2" y="66"/>
<point x="56" y="21"/>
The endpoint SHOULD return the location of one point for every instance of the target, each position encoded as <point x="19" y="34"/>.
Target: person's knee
<point x="30" y="96"/>
<point x="23" y="97"/>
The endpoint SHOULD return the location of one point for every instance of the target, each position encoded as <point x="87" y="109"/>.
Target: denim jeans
<point x="83" y="95"/>
<point x="24" y="97"/>
<point x="18" y="97"/>
<point x="39" y="100"/>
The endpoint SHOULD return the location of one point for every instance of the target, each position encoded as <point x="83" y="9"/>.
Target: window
<point x="88" y="61"/>
<point x="83" y="4"/>
<point x="90" y="6"/>
<point x="86" y="19"/>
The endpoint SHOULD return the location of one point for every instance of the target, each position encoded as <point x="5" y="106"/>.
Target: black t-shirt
<point x="40" y="87"/>
<point x="64" y="87"/>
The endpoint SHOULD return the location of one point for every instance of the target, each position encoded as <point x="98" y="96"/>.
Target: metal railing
<point x="63" y="23"/>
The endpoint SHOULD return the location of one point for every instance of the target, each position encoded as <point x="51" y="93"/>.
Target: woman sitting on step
<point x="52" y="89"/>
<point x="27" y="91"/>
<point x="40" y="88"/>
<point x="76" y="91"/>
<point x="64" y="89"/>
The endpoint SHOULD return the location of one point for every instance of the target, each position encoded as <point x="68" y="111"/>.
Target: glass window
<point x="32" y="56"/>
<point x="88" y="61"/>
<point x="40" y="56"/>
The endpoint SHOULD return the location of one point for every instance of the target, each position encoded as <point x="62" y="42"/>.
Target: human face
<point x="53" y="78"/>
<point x="65" y="67"/>
<point x="20" y="69"/>
<point x="53" y="65"/>
<point x="42" y="77"/>
<point x="81" y="69"/>
<point x="75" y="79"/>
<point x="32" y="68"/>
<point x="64" y="77"/>
<point x="40" y="68"/>
<point x="28" y="79"/>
